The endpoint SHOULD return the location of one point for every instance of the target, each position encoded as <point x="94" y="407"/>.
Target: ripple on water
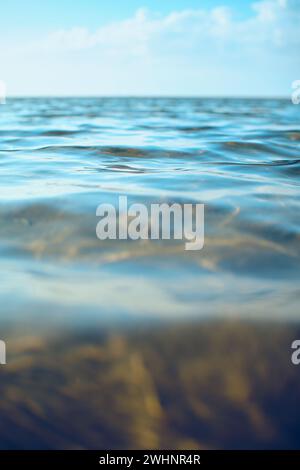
<point x="60" y="158"/>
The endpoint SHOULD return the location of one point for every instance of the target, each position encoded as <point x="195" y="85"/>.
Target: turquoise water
<point x="141" y="344"/>
<point x="61" y="158"/>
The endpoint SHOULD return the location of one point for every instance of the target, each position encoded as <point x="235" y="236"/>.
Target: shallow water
<point x="61" y="158"/>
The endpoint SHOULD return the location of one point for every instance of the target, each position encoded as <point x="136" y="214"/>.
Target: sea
<point x="142" y="343"/>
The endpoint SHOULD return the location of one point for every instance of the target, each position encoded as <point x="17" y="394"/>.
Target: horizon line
<point x="149" y="96"/>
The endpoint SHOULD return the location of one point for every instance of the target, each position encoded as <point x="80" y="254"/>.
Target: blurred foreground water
<point x="143" y="344"/>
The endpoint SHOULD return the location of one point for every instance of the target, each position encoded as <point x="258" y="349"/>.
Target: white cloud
<point x="187" y="51"/>
<point x="271" y="20"/>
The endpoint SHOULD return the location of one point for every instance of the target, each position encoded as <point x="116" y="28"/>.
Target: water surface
<point x="61" y="158"/>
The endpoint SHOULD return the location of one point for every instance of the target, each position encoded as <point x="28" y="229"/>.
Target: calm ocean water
<point x="59" y="159"/>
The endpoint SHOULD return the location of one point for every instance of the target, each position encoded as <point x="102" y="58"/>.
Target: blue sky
<point x="34" y="15"/>
<point x="179" y="47"/>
